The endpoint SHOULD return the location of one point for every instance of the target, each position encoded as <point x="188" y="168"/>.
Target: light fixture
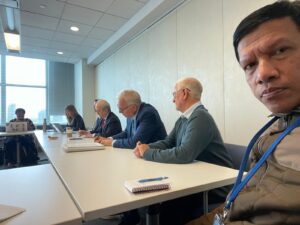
<point x="43" y="6"/>
<point x="10" y="19"/>
<point x="60" y="53"/>
<point x="73" y="28"/>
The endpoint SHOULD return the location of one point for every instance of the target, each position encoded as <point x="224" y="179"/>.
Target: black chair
<point x="236" y="152"/>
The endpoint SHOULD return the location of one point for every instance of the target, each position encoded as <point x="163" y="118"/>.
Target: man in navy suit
<point x="143" y="122"/>
<point x="107" y="125"/>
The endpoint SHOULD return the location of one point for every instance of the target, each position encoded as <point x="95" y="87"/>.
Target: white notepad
<point x="7" y="211"/>
<point x="77" y="146"/>
<point x="135" y="186"/>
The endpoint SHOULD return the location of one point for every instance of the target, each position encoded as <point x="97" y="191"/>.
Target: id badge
<point x="218" y="220"/>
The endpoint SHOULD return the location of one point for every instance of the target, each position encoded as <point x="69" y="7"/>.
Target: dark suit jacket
<point x="111" y="127"/>
<point x="149" y="128"/>
<point x="97" y="126"/>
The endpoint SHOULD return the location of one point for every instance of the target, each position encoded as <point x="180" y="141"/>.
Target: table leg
<point x="205" y="202"/>
<point x="18" y="153"/>
<point x="152" y="216"/>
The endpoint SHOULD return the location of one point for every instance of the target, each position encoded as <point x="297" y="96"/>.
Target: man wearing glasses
<point x="143" y="122"/>
<point x="194" y="137"/>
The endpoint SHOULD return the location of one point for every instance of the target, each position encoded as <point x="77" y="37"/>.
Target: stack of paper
<point x="77" y="146"/>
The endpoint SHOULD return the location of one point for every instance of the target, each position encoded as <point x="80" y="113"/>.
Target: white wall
<point x="194" y="39"/>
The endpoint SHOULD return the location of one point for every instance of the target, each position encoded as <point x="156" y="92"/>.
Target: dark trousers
<point x="182" y="210"/>
<point x="178" y="211"/>
<point x="28" y="150"/>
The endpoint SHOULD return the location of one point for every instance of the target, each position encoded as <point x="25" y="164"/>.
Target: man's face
<point x="99" y="109"/>
<point x="20" y="116"/>
<point x="178" y="97"/>
<point x="127" y="110"/>
<point x="270" y="57"/>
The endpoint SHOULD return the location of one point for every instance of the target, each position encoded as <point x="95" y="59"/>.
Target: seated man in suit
<point x="97" y="125"/>
<point x="109" y="123"/>
<point x="29" y="156"/>
<point x="143" y="122"/>
<point x="195" y="136"/>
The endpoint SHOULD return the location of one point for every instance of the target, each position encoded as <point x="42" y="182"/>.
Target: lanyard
<point x="239" y="184"/>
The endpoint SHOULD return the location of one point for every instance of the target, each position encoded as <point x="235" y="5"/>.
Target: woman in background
<point x="74" y="119"/>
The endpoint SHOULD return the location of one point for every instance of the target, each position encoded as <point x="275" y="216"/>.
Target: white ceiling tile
<point x="101" y="5"/>
<point x="52" y="8"/>
<point x="72" y="39"/>
<point x="36" y="20"/>
<point x="36" y="32"/>
<point x="111" y="22"/>
<point x="81" y="15"/>
<point x="99" y="33"/>
<point x="125" y="8"/>
<point x="92" y="42"/>
<point x="84" y="52"/>
<point x="143" y="1"/>
<point x="64" y="26"/>
<point x="34" y="42"/>
<point x="63" y="46"/>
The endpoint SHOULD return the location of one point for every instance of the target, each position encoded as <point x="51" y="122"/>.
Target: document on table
<point x="82" y="144"/>
<point x="7" y="211"/>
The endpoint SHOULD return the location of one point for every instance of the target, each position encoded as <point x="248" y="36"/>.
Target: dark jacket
<point x="112" y="126"/>
<point x="77" y="123"/>
<point x="149" y="128"/>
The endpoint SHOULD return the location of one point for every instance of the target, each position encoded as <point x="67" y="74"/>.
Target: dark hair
<point x="20" y="110"/>
<point x="71" y="108"/>
<point x="276" y="10"/>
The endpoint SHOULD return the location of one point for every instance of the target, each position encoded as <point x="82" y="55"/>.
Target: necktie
<point x="133" y="128"/>
<point x="102" y="123"/>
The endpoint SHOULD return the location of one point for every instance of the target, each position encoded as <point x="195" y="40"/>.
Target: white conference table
<point x="40" y="192"/>
<point x="95" y="179"/>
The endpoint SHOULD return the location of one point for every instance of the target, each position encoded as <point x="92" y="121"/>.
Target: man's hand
<point x="82" y="132"/>
<point x="104" y="141"/>
<point x="140" y="149"/>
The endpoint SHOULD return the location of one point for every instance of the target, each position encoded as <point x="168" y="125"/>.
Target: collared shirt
<point x="190" y="110"/>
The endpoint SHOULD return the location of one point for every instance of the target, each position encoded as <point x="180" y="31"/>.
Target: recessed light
<point x="60" y="53"/>
<point x="73" y="28"/>
<point x="42" y="6"/>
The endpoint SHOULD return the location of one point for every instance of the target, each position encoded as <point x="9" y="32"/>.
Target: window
<point x="41" y="87"/>
<point x="23" y="85"/>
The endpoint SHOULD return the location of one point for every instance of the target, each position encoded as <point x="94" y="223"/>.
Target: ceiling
<point x="104" y="26"/>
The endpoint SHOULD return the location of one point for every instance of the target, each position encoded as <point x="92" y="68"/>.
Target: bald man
<point x="109" y="123"/>
<point x="195" y="136"/>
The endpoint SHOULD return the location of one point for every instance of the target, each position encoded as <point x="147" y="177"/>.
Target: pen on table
<point x="152" y="179"/>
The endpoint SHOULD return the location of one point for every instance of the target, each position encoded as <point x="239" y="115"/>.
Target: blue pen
<point x="152" y="179"/>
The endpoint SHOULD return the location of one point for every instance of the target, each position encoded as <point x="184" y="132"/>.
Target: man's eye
<point x="280" y="51"/>
<point x="249" y="66"/>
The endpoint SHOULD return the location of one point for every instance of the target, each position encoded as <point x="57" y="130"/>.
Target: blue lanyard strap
<point x="240" y="184"/>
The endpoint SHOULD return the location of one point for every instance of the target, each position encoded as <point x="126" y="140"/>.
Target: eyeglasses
<point x="125" y="108"/>
<point x="181" y="89"/>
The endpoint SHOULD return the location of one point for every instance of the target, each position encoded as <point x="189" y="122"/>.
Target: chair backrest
<point x="236" y="152"/>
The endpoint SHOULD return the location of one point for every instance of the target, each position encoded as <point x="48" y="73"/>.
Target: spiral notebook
<point x="136" y="186"/>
